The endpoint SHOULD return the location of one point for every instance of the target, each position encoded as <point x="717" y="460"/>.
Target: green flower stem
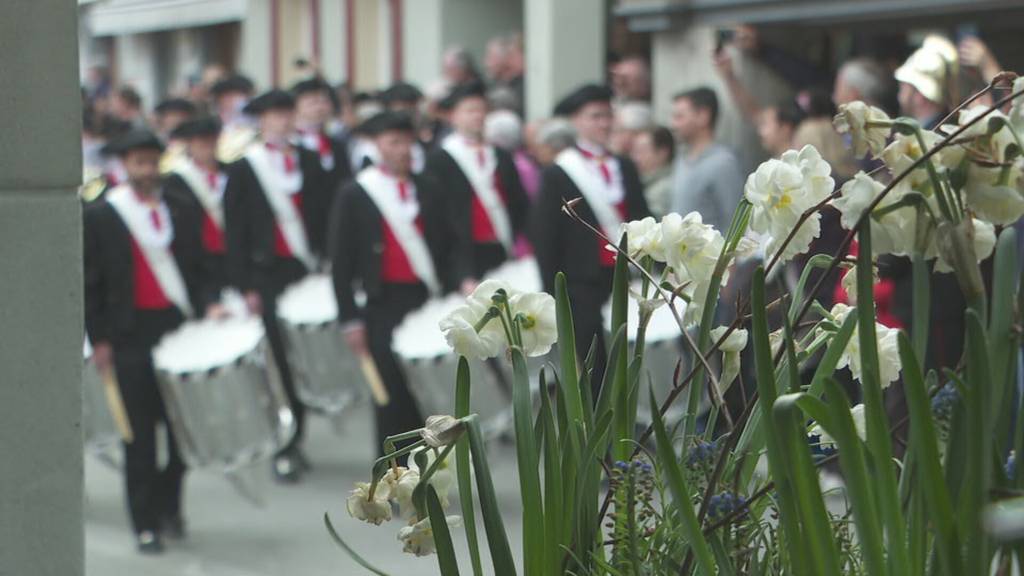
<point x="949" y="209"/>
<point x="391" y="455"/>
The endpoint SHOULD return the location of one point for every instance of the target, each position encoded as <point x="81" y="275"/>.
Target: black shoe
<point x="173" y="527"/>
<point x="148" y="542"/>
<point x="287" y="469"/>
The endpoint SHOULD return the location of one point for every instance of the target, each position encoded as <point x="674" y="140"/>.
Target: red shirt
<point x="148" y="293"/>
<point x="213" y="236"/>
<point x="482" y="227"/>
<point x="395" y="267"/>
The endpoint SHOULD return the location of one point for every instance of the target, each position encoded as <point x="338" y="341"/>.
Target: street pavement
<point x="230" y="536"/>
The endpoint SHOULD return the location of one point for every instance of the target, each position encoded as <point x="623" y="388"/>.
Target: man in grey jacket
<point x="707" y="175"/>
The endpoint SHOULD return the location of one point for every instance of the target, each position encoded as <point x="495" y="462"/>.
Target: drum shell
<point x="99" y="431"/>
<point x="327" y="374"/>
<point x="230" y="416"/>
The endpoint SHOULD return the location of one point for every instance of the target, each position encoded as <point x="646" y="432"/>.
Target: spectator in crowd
<point x="777" y="126"/>
<point x="458" y="67"/>
<point x="631" y="79"/>
<point x="979" y="63"/>
<point x="861" y="79"/>
<point x="170" y="114"/>
<point x="504" y="129"/>
<point x="549" y="137"/>
<point x="127" y="107"/>
<point x="630" y="119"/>
<point x="230" y="95"/>
<point x="707" y="174"/>
<point x="653" y="152"/>
<point x="503" y="63"/>
<point x="817" y="130"/>
<point x="924" y="81"/>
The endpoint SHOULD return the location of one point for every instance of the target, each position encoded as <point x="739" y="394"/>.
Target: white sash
<point x="481" y="178"/>
<point x="154" y="244"/>
<point x="209" y="198"/>
<point x="598" y="194"/>
<point x="279" y="187"/>
<point x="401" y="218"/>
<point x="311" y="141"/>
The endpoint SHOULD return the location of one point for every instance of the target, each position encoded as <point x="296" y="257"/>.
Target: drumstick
<point x="373" y="379"/>
<point x="116" y="406"/>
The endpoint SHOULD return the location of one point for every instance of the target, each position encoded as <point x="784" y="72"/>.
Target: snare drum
<point x="327" y="374"/>
<point x="225" y="404"/>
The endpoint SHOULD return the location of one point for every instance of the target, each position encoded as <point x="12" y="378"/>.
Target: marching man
<point x="611" y="194"/>
<point x="390" y="234"/>
<point x="313" y="108"/>
<point x="143" y="277"/>
<point x="275" y="212"/>
<point x="198" y="179"/>
<point x="487" y="201"/>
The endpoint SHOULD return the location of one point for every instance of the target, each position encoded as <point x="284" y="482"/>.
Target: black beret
<point x="233" y="83"/>
<point x="472" y="89"/>
<point x="272" y="100"/>
<point x="134" y="139"/>
<point x="382" y="122"/>
<point x="580" y="97"/>
<point x="308" y="85"/>
<point x="207" y="126"/>
<point x="400" y="92"/>
<point x="175" y="105"/>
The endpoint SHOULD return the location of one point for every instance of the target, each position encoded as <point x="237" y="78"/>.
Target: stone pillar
<point x="40" y="292"/>
<point x="565" y="47"/>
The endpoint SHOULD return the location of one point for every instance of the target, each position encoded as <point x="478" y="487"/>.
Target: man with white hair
<point x="504" y="129"/>
<point x="861" y="79"/>
<point x="631" y="118"/>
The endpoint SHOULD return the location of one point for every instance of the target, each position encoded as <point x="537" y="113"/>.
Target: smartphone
<point x="967" y="30"/>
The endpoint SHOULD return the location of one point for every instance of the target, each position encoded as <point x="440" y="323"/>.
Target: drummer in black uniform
<point x="390" y="234"/>
<point x="487" y="201"/>
<point x="143" y="277"/>
<point x="198" y="179"/>
<point x="275" y="210"/>
<point x="611" y="194"/>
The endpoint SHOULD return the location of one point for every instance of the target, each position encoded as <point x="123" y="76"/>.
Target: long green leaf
<point x="766" y="387"/>
<point x="682" y="500"/>
<point x="978" y="475"/>
<point x="804" y="477"/>
<point x="879" y="441"/>
<point x="552" y="484"/>
<point x="619" y="366"/>
<point x="567" y="349"/>
<point x="497" y="539"/>
<point x="463" y="469"/>
<point x="526" y="456"/>
<point x="352" y="553"/>
<point x="1002" y="338"/>
<point x="930" y="479"/>
<point x="446" y="561"/>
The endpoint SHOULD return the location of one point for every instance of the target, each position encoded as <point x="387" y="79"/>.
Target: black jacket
<point x="563" y="245"/>
<point x="341" y="173"/>
<point x="214" y="265"/>
<point x="249" y="221"/>
<point x="357" y="243"/>
<point x="109" y="273"/>
<point x="459" y="192"/>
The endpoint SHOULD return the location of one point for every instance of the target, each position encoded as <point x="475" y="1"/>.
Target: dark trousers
<point x="285" y="271"/>
<point x="587" y="302"/>
<point x="383" y="314"/>
<point x="487" y="257"/>
<point x="152" y="492"/>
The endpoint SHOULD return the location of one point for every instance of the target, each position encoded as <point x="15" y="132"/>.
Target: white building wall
<point x="254" y="56"/>
<point x="333" y="54"/>
<point x="565" y="47"/>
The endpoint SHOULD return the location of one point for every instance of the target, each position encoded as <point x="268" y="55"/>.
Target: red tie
<point x="325" y="146"/>
<point x="289" y="161"/>
<point x="211" y="179"/>
<point x="481" y="157"/>
<point x="403" y="190"/>
<point x="155" y="217"/>
<point x="602" y="165"/>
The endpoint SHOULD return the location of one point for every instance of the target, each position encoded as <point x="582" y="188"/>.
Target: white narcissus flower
<point x="984" y="236"/>
<point x="731" y="347"/>
<point x="893" y="233"/>
<point x="988" y="143"/>
<point x="1016" y="114"/>
<point x="403" y="492"/>
<point x="418" y="538"/>
<point x="644" y="238"/>
<point x="780" y="191"/>
<point x="691" y="250"/>
<point x="539" y="327"/>
<point x="992" y="197"/>
<point x="443" y="478"/>
<point x="361" y="506"/>
<point x="859" y="424"/>
<point x="889" y="365"/>
<point x="484" y="293"/>
<point x="849" y="283"/>
<point x="460" y="331"/>
<point x="854" y="119"/>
